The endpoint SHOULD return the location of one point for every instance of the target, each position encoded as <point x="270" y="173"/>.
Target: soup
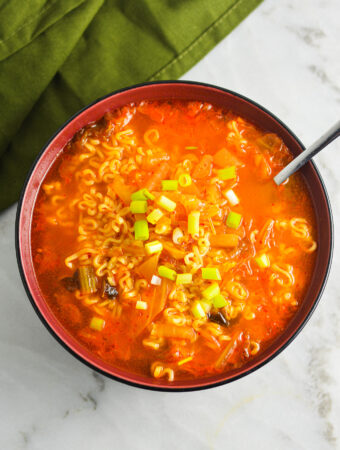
<point x="162" y="244"/>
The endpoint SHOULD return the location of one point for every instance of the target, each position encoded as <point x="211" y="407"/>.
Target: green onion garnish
<point x="263" y="261"/>
<point x="138" y="195"/>
<point x="166" y="203"/>
<point x="211" y="273"/>
<point x="169" y="185"/>
<point x="234" y="220"/>
<point x="153" y="247"/>
<point x="197" y="310"/>
<point x="148" y="194"/>
<point x="219" y="301"/>
<point x="184" y="180"/>
<point x="227" y="174"/>
<point x="184" y="278"/>
<point x="97" y="323"/>
<point x="210" y="292"/>
<point x="194" y="223"/>
<point x="141" y="305"/>
<point x="155" y="280"/>
<point x="141" y="229"/>
<point x="231" y="197"/>
<point x="166" y="272"/>
<point x="205" y="305"/>
<point x="138" y="206"/>
<point x="142" y="194"/>
<point x="87" y="279"/>
<point x="154" y="216"/>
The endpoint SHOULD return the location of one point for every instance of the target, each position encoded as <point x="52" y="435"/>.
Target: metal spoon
<point x="307" y="154"/>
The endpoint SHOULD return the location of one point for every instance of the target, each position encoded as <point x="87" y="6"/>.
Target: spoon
<point x="308" y="154"/>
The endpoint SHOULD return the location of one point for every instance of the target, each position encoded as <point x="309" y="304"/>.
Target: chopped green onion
<point x="263" y="261"/>
<point x="192" y="147"/>
<point x="148" y="194"/>
<point x="184" y="278"/>
<point x="219" y="301"/>
<point x="142" y="194"/>
<point x="155" y="280"/>
<point x="169" y="185"/>
<point x="194" y="223"/>
<point x="211" y="273"/>
<point x="141" y="229"/>
<point x="141" y="305"/>
<point x="138" y="195"/>
<point x="184" y="180"/>
<point x="153" y="247"/>
<point x="231" y="197"/>
<point x="138" y="206"/>
<point x="234" y="220"/>
<point x="154" y="216"/>
<point x="97" y="323"/>
<point x="87" y="280"/>
<point x="227" y="174"/>
<point x="166" y="272"/>
<point x="166" y="203"/>
<point x="210" y="292"/>
<point x="206" y="306"/>
<point x="198" y="310"/>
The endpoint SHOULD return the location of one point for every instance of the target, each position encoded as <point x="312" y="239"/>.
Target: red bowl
<point x="184" y="91"/>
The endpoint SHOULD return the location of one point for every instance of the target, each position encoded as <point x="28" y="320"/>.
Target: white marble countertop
<point x="285" y="55"/>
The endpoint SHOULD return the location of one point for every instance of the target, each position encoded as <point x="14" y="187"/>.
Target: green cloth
<point x="56" y="56"/>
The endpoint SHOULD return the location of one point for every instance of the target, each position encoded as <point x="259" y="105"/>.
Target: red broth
<point x="206" y="281"/>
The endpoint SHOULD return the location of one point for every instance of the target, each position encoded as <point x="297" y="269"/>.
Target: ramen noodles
<point x="162" y="244"/>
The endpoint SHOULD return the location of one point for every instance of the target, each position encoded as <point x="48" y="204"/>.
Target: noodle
<point x="87" y="254"/>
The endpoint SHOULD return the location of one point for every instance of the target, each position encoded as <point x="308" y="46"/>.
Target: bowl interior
<point x="183" y="91"/>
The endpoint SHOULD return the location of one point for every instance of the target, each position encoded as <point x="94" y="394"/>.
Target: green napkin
<point x="56" y="56"/>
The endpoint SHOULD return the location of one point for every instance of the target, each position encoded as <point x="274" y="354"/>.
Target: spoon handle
<point x="307" y="154"/>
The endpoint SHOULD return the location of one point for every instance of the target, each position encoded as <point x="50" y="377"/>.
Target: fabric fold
<point x="25" y="21"/>
<point x="26" y="74"/>
<point x="97" y="47"/>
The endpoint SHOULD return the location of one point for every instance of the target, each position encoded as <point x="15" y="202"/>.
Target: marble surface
<point x="285" y="55"/>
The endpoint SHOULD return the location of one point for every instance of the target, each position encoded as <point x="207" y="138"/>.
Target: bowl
<point x="183" y="90"/>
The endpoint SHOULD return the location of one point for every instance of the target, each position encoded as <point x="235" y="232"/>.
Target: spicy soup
<point x="162" y="244"/>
